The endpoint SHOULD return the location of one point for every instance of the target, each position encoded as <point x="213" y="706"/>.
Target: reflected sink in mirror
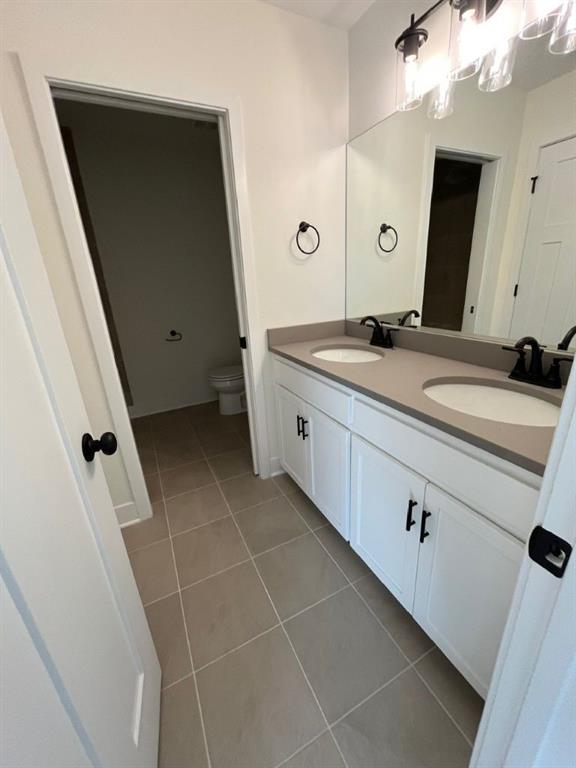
<point x="494" y="401"/>
<point x="347" y="354"/>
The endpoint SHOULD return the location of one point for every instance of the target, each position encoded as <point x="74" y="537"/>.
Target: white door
<point x="467" y="569"/>
<point x="293" y="448"/>
<point x="329" y="478"/>
<point x="545" y="306"/>
<point x="385" y="514"/>
<point x="528" y="720"/>
<point x="90" y="686"/>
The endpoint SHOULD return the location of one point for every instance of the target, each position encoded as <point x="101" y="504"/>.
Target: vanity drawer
<point x="331" y="400"/>
<point x="493" y="492"/>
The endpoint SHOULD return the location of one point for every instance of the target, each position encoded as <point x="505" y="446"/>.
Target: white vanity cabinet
<point x="375" y="473"/>
<point x="467" y="569"/>
<point x="294" y="450"/>
<point x="315" y="451"/>
<point x="386" y="504"/>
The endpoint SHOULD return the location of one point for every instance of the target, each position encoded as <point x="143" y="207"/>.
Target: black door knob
<point x="107" y="444"/>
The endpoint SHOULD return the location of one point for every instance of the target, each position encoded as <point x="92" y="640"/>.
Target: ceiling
<point x="337" y="13"/>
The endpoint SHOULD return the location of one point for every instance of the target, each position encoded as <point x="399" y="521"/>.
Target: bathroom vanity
<point x="437" y="503"/>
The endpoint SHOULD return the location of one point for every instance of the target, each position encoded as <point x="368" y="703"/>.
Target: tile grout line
<point x="200" y="713"/>
<point x="287" y="636"/>
<point x="237" y="648"/>
<point x="301" y="749"/>
<point x="410" y="664"/>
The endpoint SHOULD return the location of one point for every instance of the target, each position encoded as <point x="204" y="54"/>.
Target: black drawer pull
<point x="299" y="423"/>
<point x="409" y="519"/>
<point x="423" y="532"/>
<point x="304" y="433"/>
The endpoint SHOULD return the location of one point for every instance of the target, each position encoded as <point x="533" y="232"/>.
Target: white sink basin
<point x="496" y="403"/>
<point x="347" y="355"/>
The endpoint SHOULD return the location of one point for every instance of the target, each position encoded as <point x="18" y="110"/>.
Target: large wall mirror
<point x="482" y="204"/>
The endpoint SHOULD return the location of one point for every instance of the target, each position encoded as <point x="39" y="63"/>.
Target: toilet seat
<point x="227" y="373"/>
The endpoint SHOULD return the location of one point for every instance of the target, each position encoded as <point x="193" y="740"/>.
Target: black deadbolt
<point x="107" y="444"/>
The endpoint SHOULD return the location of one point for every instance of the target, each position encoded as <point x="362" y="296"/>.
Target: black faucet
<point x="565" y="343"/>
<point x="402" y="320"/>
<point x="379" y="338"/>
<point x="535" y="373"/>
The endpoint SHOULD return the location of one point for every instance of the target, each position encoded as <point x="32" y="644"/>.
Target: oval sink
<point x="494" y="402"/>
<point x="347" y="355"/>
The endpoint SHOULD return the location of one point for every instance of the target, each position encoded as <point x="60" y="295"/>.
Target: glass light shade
<point x="563" y="37"/>
<point x="466" y="19"/>
<point x="498" y="65"/>
<point x="408" y="87"/>
<point x="441" y="100"/>
<point x="538" y="18"/>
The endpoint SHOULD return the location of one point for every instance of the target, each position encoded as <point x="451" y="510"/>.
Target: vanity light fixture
<point x="538" y="18"/>
<point x="563" y="37"/>
<point x="408" y="86"/>
<point x="497" y="68"/>
<point x="464" y="54"/>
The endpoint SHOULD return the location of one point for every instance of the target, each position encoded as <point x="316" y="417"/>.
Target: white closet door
<point x="467" y="570"/>
<point x="546" y="303"/>
<point x="385" y="518"/>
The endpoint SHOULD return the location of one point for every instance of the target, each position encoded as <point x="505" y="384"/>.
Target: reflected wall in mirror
<point x="484" y="205"/>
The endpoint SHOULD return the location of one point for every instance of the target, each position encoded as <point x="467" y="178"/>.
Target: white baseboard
<point x="127" y="514"/>
<point x="275" y="466"/>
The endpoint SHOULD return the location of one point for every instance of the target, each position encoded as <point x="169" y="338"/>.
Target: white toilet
<point x="228" y="381"/>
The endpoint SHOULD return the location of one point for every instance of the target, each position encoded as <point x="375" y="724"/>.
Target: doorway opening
<point x="461" y="206"/>
<point x="150" y="186"/>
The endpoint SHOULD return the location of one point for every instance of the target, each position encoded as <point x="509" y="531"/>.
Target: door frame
<point x="482" y="241"/>
<point x="228" y="112"/>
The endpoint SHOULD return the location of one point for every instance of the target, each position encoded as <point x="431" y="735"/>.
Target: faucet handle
<point x="553" y="378"/>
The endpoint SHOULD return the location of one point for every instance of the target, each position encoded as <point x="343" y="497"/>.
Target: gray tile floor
<point x="278" y="647"/>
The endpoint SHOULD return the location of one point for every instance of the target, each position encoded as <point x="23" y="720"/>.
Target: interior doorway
<point x="450" y="235"/>
<point x="150" y="186"/>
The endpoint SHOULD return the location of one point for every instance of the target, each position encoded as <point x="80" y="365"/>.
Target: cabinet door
<point x="384" y="532"/>
<point x="329" y="478"/>
<point x="467" y="570"/>
<point x="294" y="450"/>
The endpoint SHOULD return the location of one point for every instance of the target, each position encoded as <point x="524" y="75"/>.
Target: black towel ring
<point x="384" y="228"/>
<point x="304" y="227"/>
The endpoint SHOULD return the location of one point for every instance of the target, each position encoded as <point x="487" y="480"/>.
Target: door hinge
<point x="243" y="342"/>
<point x="549" y="551"/>
<point x="533" y="179"/>
<point x="516" y="290"/>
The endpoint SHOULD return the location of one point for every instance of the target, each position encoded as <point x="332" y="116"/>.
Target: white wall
<point x="156" y="197"/>
<point x="290" y="76"/>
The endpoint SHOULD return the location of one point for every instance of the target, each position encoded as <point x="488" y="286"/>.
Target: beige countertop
<point x="398" y="380"/>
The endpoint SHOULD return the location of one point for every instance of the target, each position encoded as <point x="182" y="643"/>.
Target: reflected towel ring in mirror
<point x="384" y="228"/>
<point x="304" y="227"/>
<point x="174" y="336"/>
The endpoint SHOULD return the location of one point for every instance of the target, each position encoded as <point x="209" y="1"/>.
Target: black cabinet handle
<point x="304" y="433"/>
<point x="299" y="421"/>
<point x="423" y="532"/>
<point x="107" y="444"/>
<point x="409" y="519"/>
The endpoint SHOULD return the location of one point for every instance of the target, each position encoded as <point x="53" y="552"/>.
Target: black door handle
<point x="304" y="433"/>
<point x="107" y="444"/>
<point x="409" y="519"/>
<point x="423" y="532"/>
<point x="299" y="421"/>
